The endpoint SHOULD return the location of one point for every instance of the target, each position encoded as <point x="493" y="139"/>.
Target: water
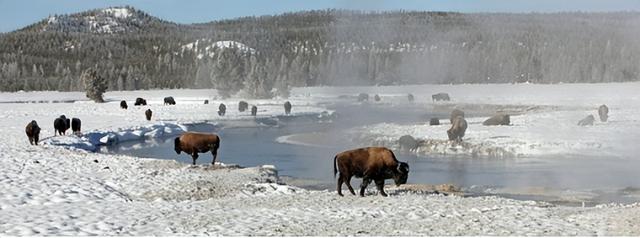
<point x="257" y="146"/>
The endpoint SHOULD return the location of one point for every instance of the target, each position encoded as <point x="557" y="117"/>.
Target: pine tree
<point x="94" y="85"/>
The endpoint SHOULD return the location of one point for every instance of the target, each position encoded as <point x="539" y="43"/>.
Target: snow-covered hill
<point x="100" y="21"/>
<point x="207" y="47"/>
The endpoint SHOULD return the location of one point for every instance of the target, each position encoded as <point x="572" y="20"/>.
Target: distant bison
<point x="193" y="143"/>
<point x="407" y="142"/>
<point x="498" y="120"/>
<point x="458" y="128"/>
<point x="123" y="104"/>
<point x="222" y="109"/>
<point x="33" y="132"/>
<point x="603" y="112"/>
<point x="140" y="102"/>
<point x="254" y="110"/>
<point x="206" y="101"/>
<point x="61" y="125"/>
<point x="370" y="163"/>
<point x="75" y="125"/>
<point x="440" y="97"/>
<point x="376" y="98"/>
<point x="242" y="106"/>
<point x="169" y="101"/>
<point x="587" y="121"/>
<point x="410" y="97"/>
<point x="363" y="97"/>
<point x="434" y="121"/>
<point x="148" y="114"/>
<point x="455" y="113"/>
<point x="287" y="107"/>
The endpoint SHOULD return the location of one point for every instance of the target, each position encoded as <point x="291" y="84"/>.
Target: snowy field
<point x="61" y="190"/>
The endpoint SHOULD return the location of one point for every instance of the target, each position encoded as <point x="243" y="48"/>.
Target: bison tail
<point x="335" y="170"/>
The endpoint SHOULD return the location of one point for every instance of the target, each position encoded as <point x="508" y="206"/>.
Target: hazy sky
<point x="15" y="14"/>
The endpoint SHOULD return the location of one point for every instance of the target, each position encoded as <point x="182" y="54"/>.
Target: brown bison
<point x="254" y="110"/>
<point x="603" y="112"/>
<point x="440" y="97"/>
<point x="455" y="113"/>
<point x="587" y="121"/>
<point x="434" y="121"/>
<point x="498" y="120"/>
<point x="363" y="97"/>
<point x="222" y="109"/>
<point x="75" y="126"/>
<point x="123" y="104"/>
<point x="407" y="143"/>
<point x="61" y="125"/>
<point x="370" y="163"/>
<point x="140" y="102"/>
<point x="193" y="143"/>
<point x="287" y="107"/>
<point x="169" y="101"/>
<point x="242" y="106"/>
<point x="458" y="128"/>
<point x="410" y="96"/>
<point x="148" y="114"/>
<point x="206" y="101"/>
<point x="377" y="98"/>
<point x="33" y="132"/>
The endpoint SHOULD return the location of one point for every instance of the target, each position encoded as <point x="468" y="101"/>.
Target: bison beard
<point x="371" y="164"/>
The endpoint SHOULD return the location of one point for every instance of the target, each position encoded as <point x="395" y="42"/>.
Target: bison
<point x="587" y="121"/>
<point x="123" y="104"/>
<point x="169" y="101"/>
<point x="222" y="109"/>
<point x="440" y="97"/>
<point x="410" y="97"/>
<point x="407" y="143"/>
<point x="458" y="128"/>
<point x="498" y="120"/>
<point x="287" y="107"/>
<point x="603" y="112"/>
<point x="33" y="132"/>
<point x="140" y="102"/>
<point x="455" y="113"/>
<point x="376" y="98"/>
<point x="254" y="110"/>
<point x="434" y="121"/>
<point x="363" y="97"/>
<point x="242" y="106"/>
<point x="75" y="126"/>
<point x="61" y="125"/>
<point x="148" y="114"/>
<point x="206" y="101"/>
<point x="370" y="163"/>
<point x="193" y="143"/>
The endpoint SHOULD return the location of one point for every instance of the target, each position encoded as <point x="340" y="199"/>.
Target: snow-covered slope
<point x="100" y="21"/>
<point x="207" y="47"/>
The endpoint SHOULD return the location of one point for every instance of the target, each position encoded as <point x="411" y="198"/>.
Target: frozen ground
<point x="51" y="190"/>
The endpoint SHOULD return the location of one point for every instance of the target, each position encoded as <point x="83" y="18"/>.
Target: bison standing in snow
<point x="123" y="104"/>
<point x="498" y="120"/>
<point x="75" y="126"/>
<point x="140" y="102"/>
<point x="242" y="106"/>
<point x="254" y="110"/>
<point x="222" y="109"/>
<point x="287" y="107"/>
<point x="33" y="132"/>
<point x="434" y="121"/>
<point x="148" y="114"/>
<point x="61" y="125"/>
<point x="371" y="164"/>
<point x="458" y="128"/>
<point x="169" y="101"/>
<point x="603" y="112"/>
<point x="193" y="143"/>
<point x="440" y="97"/>
<point x="377" y="98"/>
<point x="410" y="96"/>
<point x="206" y="101"/>
<point x="363" y="97"/>
<point x="587" y="121"/>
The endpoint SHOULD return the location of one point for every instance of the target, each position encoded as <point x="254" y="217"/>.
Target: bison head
<point x="176" y="145"/>
<point x="401" y="173"/>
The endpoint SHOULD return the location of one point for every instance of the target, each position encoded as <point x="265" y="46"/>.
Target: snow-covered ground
<point x="51" y="190"/>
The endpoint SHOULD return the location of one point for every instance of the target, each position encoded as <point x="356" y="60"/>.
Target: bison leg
<point x="339" y="188"/>
<point x="195" y="157"/>
<point x="380" y="185"/>
<point x="348" y="181"/>
<point x="363" y="186"/>
<point x="214" y="153"/>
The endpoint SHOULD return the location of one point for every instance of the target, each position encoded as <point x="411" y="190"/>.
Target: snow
<point x="118" y="12"/>
<point x="53" y="190"/>
<point x="205" y="47"/>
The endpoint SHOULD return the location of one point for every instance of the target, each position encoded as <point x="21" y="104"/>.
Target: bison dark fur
<point x="33" y="132"/>
<point x="140" y="102"/>
<point x="206" y="101"/>
<point x="123" y="104"/>
<point x="169" y="101"/>
<point x="440" y="97"/>
<point x="242" y="106"/>
<point x="75" y="125"/>
<point x="455" y="113"/>
<point x="61" y="125"/>
<point x="377" y="98"/>
<point x="363" y="97"/>
<point x="222" y="109"/>
<point x="254" y="110"/>
<point x="458" y="128"/>
<point x="603" y="112"/>
<point x="371" y="164"/>
<point x="434" y="121"/>
<point x="148" y="113"/>
<point x="410" y="97"/>
<point x="193" y="143"/>
<point x="498" y="120"/>
<point x="287" y="107"/>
